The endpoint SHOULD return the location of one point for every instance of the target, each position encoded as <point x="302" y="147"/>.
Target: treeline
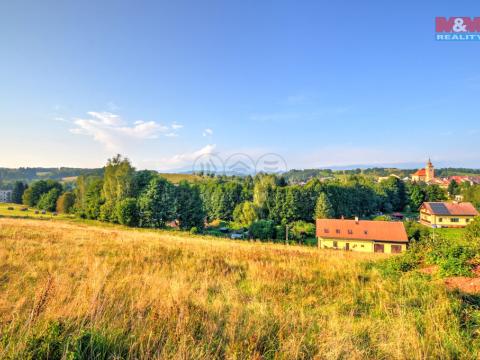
<point x="301" y="176"/>
<point x="9" y="176"/>
<point x="264" y="204"/>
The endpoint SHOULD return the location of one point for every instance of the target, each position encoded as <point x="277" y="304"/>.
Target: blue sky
<point x="321" y="83"/>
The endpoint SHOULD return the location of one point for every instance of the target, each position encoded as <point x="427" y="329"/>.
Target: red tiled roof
<point x="420" y="172"/>
<point x="450" y="208"/>
<point x="362" y="230"/>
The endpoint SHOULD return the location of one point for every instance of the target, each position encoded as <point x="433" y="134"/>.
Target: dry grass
<point x="71" y="290"/>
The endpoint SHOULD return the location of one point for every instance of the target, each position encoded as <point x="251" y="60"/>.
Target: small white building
<point x="5" y="196"/>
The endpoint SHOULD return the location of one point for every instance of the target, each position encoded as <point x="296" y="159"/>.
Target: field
<point x="70" y="290"/>
<point x="28" y="214"/>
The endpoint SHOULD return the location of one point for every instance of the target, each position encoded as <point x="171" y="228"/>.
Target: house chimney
<point x="356" y="220"/>
<point x="343" y="217"/>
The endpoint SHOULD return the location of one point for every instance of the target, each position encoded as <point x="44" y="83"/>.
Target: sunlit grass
<point x="70" y="289"/>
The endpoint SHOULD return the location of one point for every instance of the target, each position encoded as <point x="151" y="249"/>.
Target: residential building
<point x="447" y="214"/>
<point x="5" y="196"/>
<point x="362" y="235"/>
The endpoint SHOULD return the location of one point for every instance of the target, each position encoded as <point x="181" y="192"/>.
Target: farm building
<point x="447" y="214"/>
<point x="362" y="235"/>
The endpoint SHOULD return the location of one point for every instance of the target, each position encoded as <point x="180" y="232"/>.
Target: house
<point x="5" y="196"/>
<point x="447" y="214"/>
<point x="362" y="235"/>
<point x="426" y="175"/>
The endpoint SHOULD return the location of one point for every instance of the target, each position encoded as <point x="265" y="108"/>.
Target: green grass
<point x="450" y="233"/>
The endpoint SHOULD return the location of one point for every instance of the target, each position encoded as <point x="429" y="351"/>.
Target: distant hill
<point x="8" y="176"/>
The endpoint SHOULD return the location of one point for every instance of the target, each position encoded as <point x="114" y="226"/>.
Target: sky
<point x="320" y="83"/>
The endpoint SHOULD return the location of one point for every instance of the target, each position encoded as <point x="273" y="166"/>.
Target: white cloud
<point x="179" y="161"/>
<point x="176" y="126"/>
<point x="207" y="132"/>
<point x="113" y="132"/>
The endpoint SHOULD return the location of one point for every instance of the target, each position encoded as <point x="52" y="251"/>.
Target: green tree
<point x="453" y="188"/>
<point x="117" y="185"/>
<point x="32" y="195"/>
<point x="245" y="213"/>
<point x="157" y="204"/>
<point x="127" y="212"/>
<point x="48" y="200"/>
<point x="66" y="202"/>
<point x="416" y="195"/>
<point x="93" y="198"/>
<point x="435" y="193"/>
<point x="323" y="208"/>
<point x="18" y="190"/>
<point x="189" y="206"/>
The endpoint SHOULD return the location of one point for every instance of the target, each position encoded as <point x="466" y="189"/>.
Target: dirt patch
<point x="430" y="270"/>
<point x="465" y="284"/>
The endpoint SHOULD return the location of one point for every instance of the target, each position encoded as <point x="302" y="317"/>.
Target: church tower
<point x="429" y="172"/>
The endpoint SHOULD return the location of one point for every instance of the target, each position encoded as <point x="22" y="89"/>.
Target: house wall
<point x="444" y="220"/>
<point x="357" y="245"/>
<point x="5" y="196"/>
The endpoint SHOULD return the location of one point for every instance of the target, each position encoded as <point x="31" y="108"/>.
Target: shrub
<point x="472" y="231"/>
<point x="301" y="231"/>
<point x="416" y="231"/>
<point x="452" y="258"/>
<point x="262" y="229"/>
<point x="194" y="230"/>
<point x="399" y="264"/>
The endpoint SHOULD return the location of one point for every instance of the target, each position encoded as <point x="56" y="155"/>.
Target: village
<point x="382" y="234"/>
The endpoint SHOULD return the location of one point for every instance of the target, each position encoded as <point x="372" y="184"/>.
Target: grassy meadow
<point x="75" y="291"/>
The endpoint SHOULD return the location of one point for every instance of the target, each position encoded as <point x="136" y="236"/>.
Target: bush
<point x="194" y="230"/>
<point x="262" y="229"/>
<point x="472" y="231"/>
<point x="301" y="231"/>
<point x="416" y="231"/>
<point x="399" y="264"/>
<point x="453" y="259"/>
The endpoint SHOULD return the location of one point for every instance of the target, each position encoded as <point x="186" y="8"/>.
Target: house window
<point x="467" y="220"/>
<point x="396" y="249"/>
<point x="326" y="231"/>
<point x="335" y="244"/>
<point x="350" y="231"/>
<point x="440" y="219"/>
<point x="337" y="231"/>
<point x="455" y="220"/>
<point x="365" y="232"/>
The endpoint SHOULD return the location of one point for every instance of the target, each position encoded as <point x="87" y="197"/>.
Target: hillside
<point x="70" y="290"/>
